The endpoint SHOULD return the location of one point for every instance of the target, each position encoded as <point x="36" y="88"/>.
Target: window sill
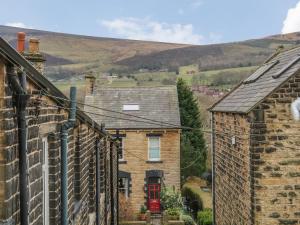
<point x="122" y="161"/>
<point x="154" y="161"/>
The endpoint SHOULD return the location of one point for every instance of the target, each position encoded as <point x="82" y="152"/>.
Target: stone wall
<point x="136" y="161"/>
<point x="44" y="120"/>
<point x="276" y="158"/>
<point x="232" y="194"/>
<point x="257" y="180"/>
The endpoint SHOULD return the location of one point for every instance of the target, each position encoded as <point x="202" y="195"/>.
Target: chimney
<point x="89" y="84"/>
<point x="33" y="55"/>
<point x="21" y="42"/>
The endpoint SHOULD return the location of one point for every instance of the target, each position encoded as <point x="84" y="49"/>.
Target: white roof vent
<point x="131" y="107"/>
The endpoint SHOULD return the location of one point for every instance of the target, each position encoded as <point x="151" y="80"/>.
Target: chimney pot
<point x="21" y="42"/>
<point x="34" y="46"/>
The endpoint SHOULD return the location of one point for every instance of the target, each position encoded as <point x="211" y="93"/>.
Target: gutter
<point x="64" y="156"/>
<point x="98" y="181"/>
<point x="21" y="99"/>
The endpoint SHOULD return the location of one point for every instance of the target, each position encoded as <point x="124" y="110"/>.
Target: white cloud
<point x="18" y="24"/>
<point x="292" y="20"/>
<point x="145" y="29"/>
<point x="197" y="3"/>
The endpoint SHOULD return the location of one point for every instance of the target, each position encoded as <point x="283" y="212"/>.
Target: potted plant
<point x="143" y="211"/>
<point x="173" y="213"/>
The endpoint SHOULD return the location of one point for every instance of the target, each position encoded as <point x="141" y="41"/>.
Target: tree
<point x="193" y="147"/>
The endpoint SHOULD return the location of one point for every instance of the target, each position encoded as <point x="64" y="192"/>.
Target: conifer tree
<point x="193" y="147"/>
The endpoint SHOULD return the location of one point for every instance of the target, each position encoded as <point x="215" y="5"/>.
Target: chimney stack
<point x="33" y="54"/>
<point x="21" y="42"/>
<point x="34" y="46"/>
<point x="89" y="84"/>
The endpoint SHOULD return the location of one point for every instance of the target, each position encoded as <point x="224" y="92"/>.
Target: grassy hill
<point x="69" y="57"/>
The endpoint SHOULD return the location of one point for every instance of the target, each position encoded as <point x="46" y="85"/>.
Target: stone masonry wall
<point x="136" y="144"/>
<point x="277" y="159"/>
<point x="232" y="169"/>
<point x="44" y="121"/>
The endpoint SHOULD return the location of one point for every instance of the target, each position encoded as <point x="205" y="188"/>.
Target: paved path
<point x="156" y="219"/>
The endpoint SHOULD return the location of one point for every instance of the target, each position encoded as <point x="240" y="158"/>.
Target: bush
<point x="171" y="199"/>
<point x="173" y="211"/>
<point x="205" y="217"/>
<point x="187" y="219"/>
<point x="194" y="199"/>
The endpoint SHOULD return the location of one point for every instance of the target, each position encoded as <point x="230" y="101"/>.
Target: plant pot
<point x="143" y="216"/>
<point x="175" y="217"/>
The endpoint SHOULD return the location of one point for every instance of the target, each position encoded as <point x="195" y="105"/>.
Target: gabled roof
<point x="155" y="103"/>
<point x="266" y="80"/>
<point x="40" y="80"/>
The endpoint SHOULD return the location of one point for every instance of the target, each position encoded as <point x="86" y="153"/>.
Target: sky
<point x="176" y="21"/>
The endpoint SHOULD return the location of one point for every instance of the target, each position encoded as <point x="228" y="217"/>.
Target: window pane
<point x="154" y="148"/>
<point x="154" y="141"/>
<point x="154" y="153"/>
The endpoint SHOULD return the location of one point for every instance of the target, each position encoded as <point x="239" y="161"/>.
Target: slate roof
<point x="156" y="103"/>
<point x="246" y="96"/>
<point x="9" y="53"/>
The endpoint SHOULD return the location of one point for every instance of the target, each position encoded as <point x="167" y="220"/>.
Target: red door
<point x="154" y="198"/>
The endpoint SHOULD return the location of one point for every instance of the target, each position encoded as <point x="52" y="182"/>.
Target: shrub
<point x="205" y="217"/>
<point x="173" y="211"/>
<point x="143" y="209"/>
<point x="193" y="197"/>
<point x="171" y="199"/>
<point x="187" y="219"/>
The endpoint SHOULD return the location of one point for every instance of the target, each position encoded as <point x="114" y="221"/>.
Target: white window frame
<point x="154" y="159"/>
<point x="131" y="107"/>
<point x="45" y="171"/>
<point x="126" y="188"/>
<point x="123" y="145"/>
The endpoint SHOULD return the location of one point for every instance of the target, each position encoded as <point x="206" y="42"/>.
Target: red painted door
<point x="154" y="198"/>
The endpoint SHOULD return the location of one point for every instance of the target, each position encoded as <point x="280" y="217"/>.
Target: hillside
<point x="69" y="56"/>
<point x="75" y="54"/>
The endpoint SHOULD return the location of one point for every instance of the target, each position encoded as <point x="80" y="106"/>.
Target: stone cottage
<point x="149" y="157"/>
<point x="57" y="165"/>
<point x="256" y="159"/>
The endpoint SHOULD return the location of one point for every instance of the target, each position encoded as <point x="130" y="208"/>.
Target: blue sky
<point x="182" y="21"/>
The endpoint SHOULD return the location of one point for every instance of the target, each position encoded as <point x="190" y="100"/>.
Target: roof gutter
<point x="21" y="99"/>
<point x="64" y="156"/>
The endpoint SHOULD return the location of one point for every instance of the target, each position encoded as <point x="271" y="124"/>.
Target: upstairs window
<point x="154" y="148"/>
<point x="131" y="107"/>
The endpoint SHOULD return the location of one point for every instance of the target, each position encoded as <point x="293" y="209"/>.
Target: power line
<point x="192" y="163"/>
<point x="113" y="111"/>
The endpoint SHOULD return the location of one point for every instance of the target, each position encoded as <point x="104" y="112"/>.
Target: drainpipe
<point x="97" y="181"/>
<point x="213" y="164"/>
<point x="21" y="99"/>
<point x="64" y="156"/>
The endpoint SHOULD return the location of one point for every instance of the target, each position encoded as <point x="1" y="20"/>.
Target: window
<point x="289" y="65"/>
<point x="124" y="186"/>
<point x="131" y="107"/>
<point x="154" y="148"/>
<point x="45" y="169"/>
<point x="121" y="149"/>
<point x="260" y="71"/>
